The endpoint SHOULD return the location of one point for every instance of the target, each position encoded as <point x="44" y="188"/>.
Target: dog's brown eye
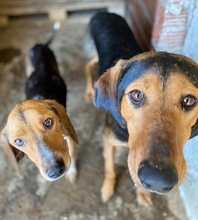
<point x="48" y="123"/>
<point x="19" y="142"/>
<point x="188" y="102"/>
<point x="136" y="97"/>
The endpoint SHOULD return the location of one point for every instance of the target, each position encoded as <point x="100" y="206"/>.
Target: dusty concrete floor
<point x="30" y="196"/>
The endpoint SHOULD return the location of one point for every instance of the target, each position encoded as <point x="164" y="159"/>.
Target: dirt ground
<point x="31" y="197"/>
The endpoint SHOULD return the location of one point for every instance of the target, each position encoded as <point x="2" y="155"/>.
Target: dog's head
<point x="154" y="96"/>
<point x="42" y="130"/>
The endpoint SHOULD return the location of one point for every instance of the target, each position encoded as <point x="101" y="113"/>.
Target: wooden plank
<point x="3" y="21"/>
<point x="13" y="4"/>
<point x="27" y="2"/>
<point x="56" y="10"/>
<point x="38" y="7"/>
<point x="55" y="15"/>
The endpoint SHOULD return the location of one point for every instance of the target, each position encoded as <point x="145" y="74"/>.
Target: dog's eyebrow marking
<point x="53" y="109"/>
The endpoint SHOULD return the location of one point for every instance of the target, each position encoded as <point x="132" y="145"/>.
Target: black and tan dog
<point x="39" y="126"/>
<point x="151" y="100"/>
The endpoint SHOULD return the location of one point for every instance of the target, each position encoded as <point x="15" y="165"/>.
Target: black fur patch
<point x="45" y="81"/>
<point x="113" y="38"/>
<point x="120" y="133"/>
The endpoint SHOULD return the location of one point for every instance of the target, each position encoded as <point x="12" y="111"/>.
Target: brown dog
<point x="42" y="130"/>
<point x="151" y="101"/>
<point x="158" y="111"/>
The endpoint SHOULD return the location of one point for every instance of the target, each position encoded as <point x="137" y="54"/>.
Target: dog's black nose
<point x="57" y="170"/>
<point x="156" y="179"/>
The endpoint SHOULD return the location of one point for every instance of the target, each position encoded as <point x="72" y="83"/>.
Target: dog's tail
<point x="54" y="31"/>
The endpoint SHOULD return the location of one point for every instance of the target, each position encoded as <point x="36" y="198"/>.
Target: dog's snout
<point x="157" y="179"/>
<point x="57" y="170"/>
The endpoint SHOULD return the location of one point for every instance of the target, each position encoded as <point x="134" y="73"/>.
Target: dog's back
<point x="113" y="38"/>
<point x="42" y="55"/>
<point x="45" y="81"/>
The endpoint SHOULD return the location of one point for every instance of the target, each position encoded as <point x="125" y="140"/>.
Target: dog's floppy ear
<point x="14" y="155"/>
<point x="106" y="94"/>
<point x="67" y="127"/>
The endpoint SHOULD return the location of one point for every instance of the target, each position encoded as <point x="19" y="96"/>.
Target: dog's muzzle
<point x="57" y="170"/>
<point x="157" y="179"/>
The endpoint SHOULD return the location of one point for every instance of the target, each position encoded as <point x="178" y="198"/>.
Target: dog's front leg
<point x="108" y="186"/>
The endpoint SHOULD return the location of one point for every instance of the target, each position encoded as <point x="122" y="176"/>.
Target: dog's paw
<point x="144" y="197"/>
<point x="72" y="173"/>
<point x="107" y="190"/>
